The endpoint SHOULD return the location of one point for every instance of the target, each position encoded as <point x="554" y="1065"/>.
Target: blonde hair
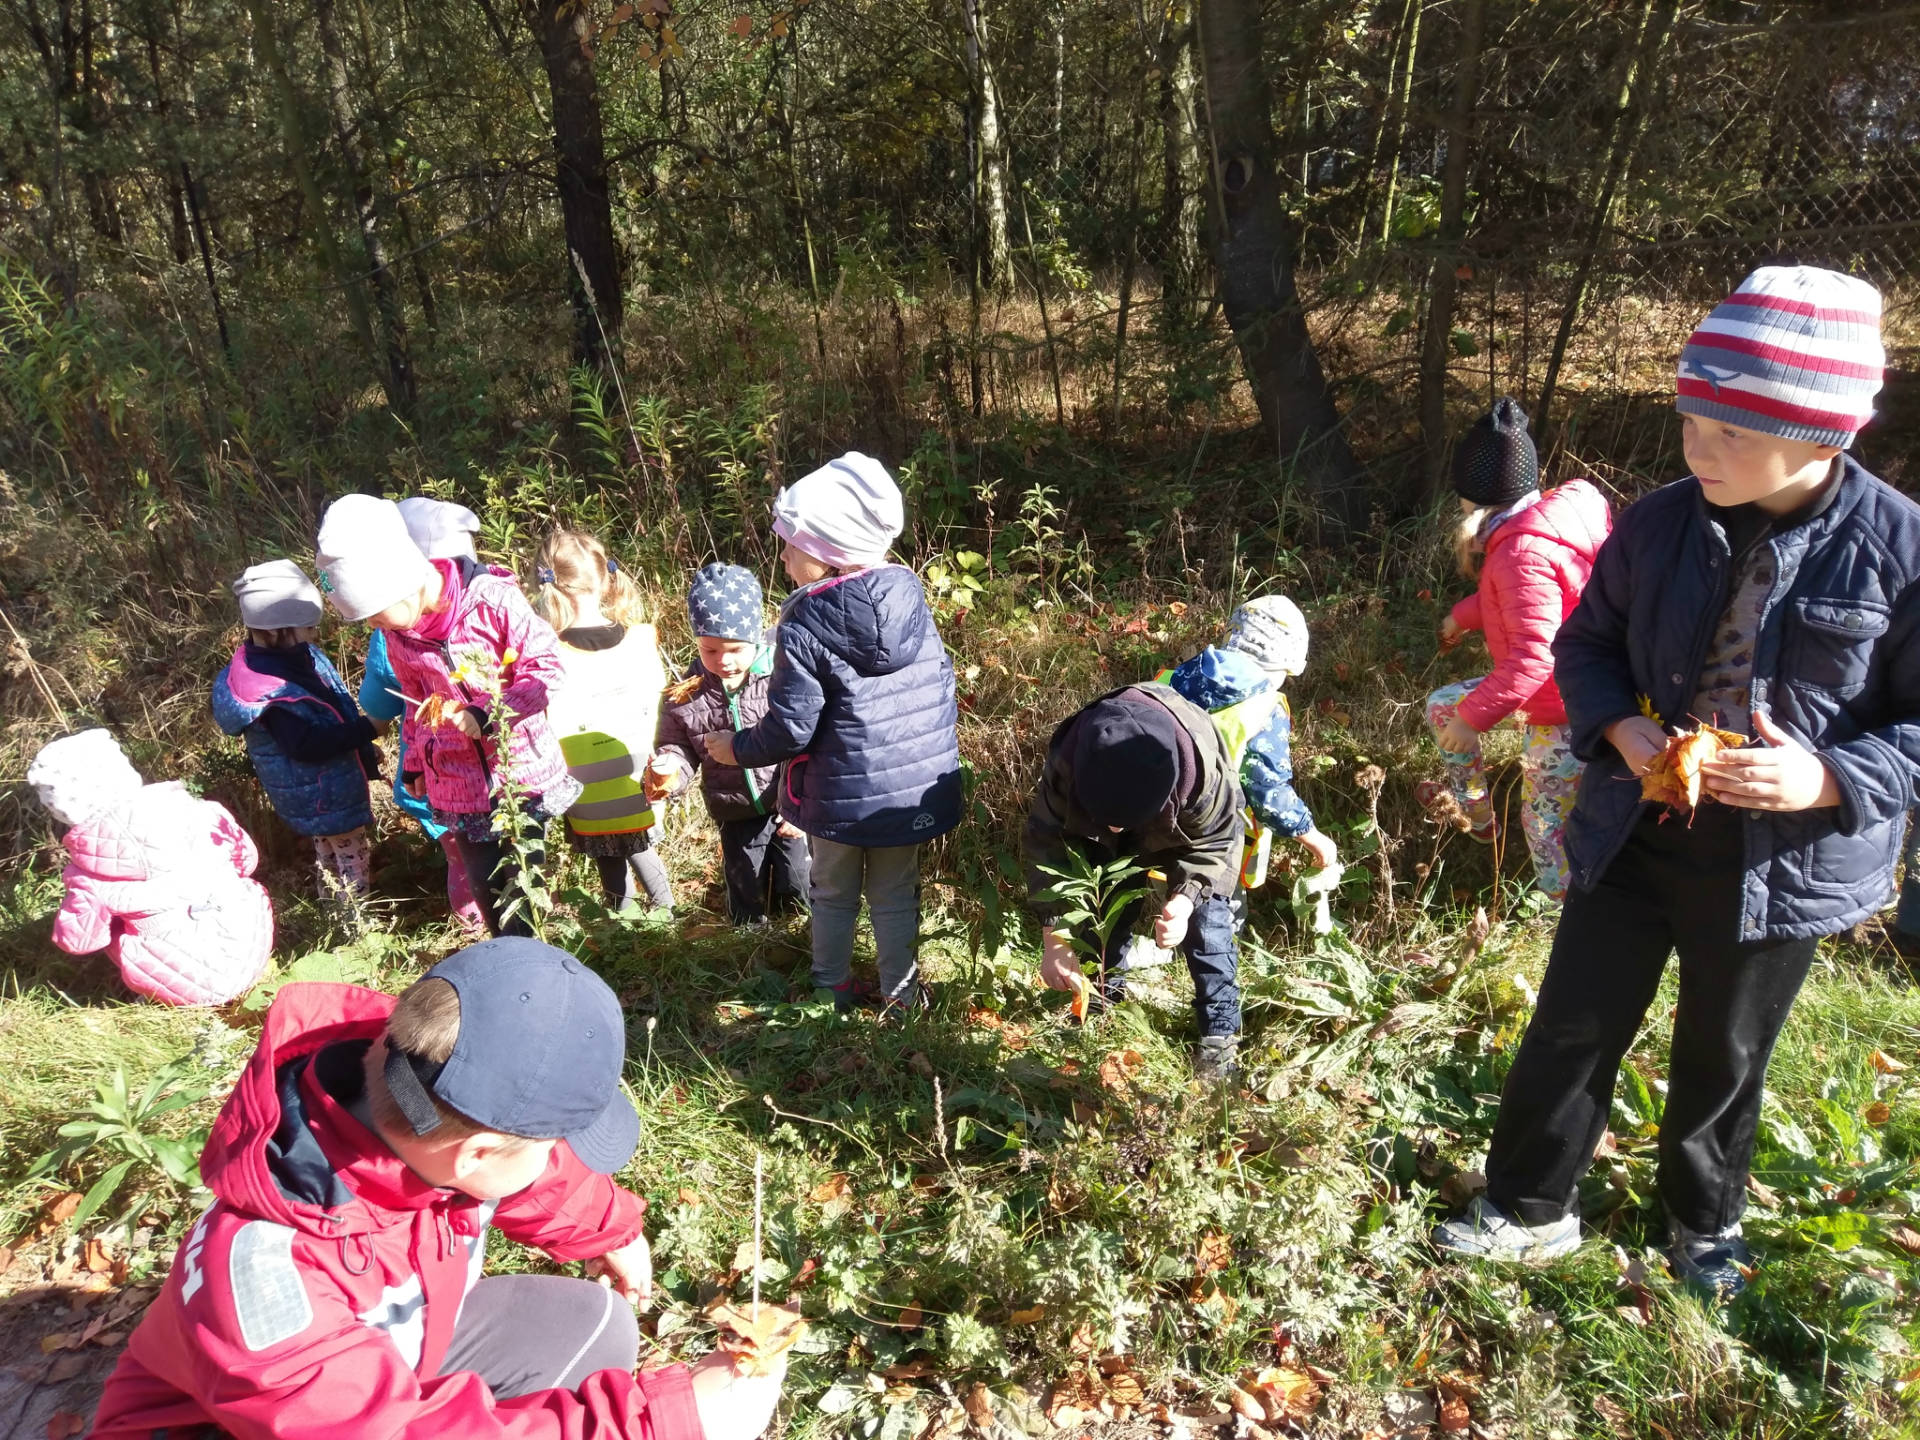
<point x="573" y="566"/>
<point x="425" y="1024"/>
<point x="1469" y="545"/>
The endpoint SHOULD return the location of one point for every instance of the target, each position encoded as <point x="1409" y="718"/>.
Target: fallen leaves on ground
<point x="1878" y="1113"/>
<point x="834" y="1187"/>
<point x="1215" y="1252"/>
<point x="1905" y="1237"/>
<point x="1284" y="1395"/>
<point x="1033" y="1315"/>
<point x="1095" y="1394"/>
<point x="756" y="1336"/>
<point x="1119" y="1068"/>
<point x="979" y="1405"/>
<point x="57" y="1211"/>
<point x="64" y="1423"/>
<point x="1082" y="993"/>
<point x="1885" y="1063"/>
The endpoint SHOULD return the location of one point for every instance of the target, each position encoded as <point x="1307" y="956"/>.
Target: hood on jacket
<point x="244" y="690"/>
<point x="1216" y="678"/>
<point x="124" y="842"/>
<point x="262" y="1157"/>
<point x="876" y="620"/>
<point x="1574" y="515"/>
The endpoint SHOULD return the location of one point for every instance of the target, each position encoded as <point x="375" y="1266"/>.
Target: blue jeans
<point x="1212" y="959"/>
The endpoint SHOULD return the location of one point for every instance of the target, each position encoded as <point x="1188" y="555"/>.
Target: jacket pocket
<point x="1831" y="863"/>
<point x="1832" y="640"/>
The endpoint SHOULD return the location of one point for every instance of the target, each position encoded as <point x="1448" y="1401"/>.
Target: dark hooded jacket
<point x="1836" y="665"/>
<point x="1197" y="839"/>
<point x="861" y="706"/>
<point x="699" y="705"/>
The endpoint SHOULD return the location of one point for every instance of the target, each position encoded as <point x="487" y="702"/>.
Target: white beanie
<point x="277" y="596"/>
<point x="1271" y="631"/>
<point x="81" y="776"/>
<point x="844" y="514"/>
<point x="367" y="559"/>
<point x="442" y="529"/>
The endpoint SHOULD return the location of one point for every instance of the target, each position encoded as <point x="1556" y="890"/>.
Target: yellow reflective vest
<point x="605" y="716"/>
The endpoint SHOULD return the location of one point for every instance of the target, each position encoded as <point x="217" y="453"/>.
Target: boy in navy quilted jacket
<point x="861" y="707"/>
<point x="1774" y="593"/>
<point x="310" y="745"/>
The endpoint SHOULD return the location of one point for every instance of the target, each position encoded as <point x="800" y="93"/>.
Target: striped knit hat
<point x="1794" y="352"/>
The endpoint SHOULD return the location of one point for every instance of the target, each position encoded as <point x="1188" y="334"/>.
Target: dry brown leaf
<point x="60" y="1340"/>
<point x="1905" y="1237"/>
<point x="1084" y="1112"/>
<point x="688" y="1197"/>
<point x="1119" y="1068"/>
<point x="920" y="1064"/>
<point x="6" y="1259"/>
<point x="1215" y="1252"/>
<point x="64" y="1423"/>
<point x="96" y="1258"/>
<point x="1031" y="1316"/>
<point x="1885" y="1063"/>
<point x="57" y="1211"/>
<point x="64" y="1368"/>
<point x="1247" y="1404"/>
<point x="743" y="26"/>
<point x="439" y="712"/>
<point x="909" y="1318"/>
<point x="756" y="1337"/>
<point x="1081" y="1342"/>
<point x="979" y="1405"/>
<point x="834" y="1187"/>
<point x="1075" y="1397"/>
<point x="1878" y="1113"/>
<point x="1673" y="777"/>
<point x="1289" y="1396"/>
<point x="1769" y="1198"/>
<point x="1082" y="993"/>
<point x="917" y="1368"/>
<point x="1456" y="1416"/>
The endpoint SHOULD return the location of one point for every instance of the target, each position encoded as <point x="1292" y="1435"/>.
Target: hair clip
<point x="543" y="575"/>
<point x="613" y="566"/>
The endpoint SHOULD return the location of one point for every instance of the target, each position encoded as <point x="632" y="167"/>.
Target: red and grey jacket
<point x="315" y="1298"/>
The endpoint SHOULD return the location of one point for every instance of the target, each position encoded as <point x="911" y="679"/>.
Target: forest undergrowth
<point x="994" y="1216"/>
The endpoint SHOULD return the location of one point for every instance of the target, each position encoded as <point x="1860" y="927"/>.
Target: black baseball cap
<point x="541" y="1049"/>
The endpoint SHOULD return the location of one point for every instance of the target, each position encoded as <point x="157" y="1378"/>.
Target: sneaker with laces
<point x="1713" y="1265"/>
<point x="1217" y="1060"/>
<point x="1486" y="1232"/>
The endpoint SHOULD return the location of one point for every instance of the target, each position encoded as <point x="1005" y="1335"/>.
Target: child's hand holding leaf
<point x="1639" y="740"/>
<point x="1782" y="775"/>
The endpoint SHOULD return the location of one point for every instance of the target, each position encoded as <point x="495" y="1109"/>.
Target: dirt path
<point x="58" y="1344"/>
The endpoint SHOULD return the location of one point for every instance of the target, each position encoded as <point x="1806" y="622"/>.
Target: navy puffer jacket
<point x="862" y="705"/>
<point x="1837" y="666"/>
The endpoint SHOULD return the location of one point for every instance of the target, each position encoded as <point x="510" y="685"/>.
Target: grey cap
<point x="277" y="596"/>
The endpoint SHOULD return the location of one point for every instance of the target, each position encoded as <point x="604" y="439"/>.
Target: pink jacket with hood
<point x="1537" y="563"/>
<point x="315" y="1299"/>
<point x="159" y="881"/>
<point x="489" y="618"/>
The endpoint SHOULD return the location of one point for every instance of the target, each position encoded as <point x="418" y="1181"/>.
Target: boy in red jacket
<point x="334" y="1287"/>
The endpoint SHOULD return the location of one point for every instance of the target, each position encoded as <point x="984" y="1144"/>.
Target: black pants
<point x="524" y="1333"/>
<point x="1670" y="889"/>
<point x="762" y="866"/>
<point x="492" y="866"/>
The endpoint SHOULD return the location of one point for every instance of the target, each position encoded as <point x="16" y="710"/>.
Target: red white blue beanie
<point x="1795" y="351"/>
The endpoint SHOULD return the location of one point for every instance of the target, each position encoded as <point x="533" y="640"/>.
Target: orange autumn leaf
<point x="1119" y="1067"/>
<point x="1456" y="1416"/>
<point x="743" y="26"/>
<point x="438" y="712"/>
<point x="910" y="1318"/>
<point x="1905" y="1237"/>
<point x="1885" y="1063"/>
<point x="1673" y="777"/>
<point x="1082" y="993"/>
<point x="96" y="1258"/>
<point x="834" y="1187"/>
<point x="1287" y="1396"/>
<point x="756" y="1336"/>
<point x="1215" y="1252"/>
<point x="64" y="1423"/>
<point x="1878" y="1113"/>
<point x="1031" y="1316"/>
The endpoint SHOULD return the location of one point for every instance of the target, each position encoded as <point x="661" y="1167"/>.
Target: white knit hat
<point x="80" y="776"/>
<point x="1795" y="351"/>
<point x="846" y="513"/>
<point x="367" y="559"/>
<point x="442" y="529"/>
<point x="1272" y="631"/>
<point x="277" y="596"/>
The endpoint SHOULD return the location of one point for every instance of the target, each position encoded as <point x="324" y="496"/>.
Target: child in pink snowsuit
<point x="155" y="876"/>
<point x="1531" y="553"/>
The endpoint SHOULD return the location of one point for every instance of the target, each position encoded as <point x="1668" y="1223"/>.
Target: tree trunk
<point x="1182" y="178"/>
<point x="1253" y="255"/>
<point x="989" y="169"/>
<point x="1390" y="136"/>
<point x="293" y="136"/>
<point x="360" y="197"/>
<point x="586" y="208"/>
<point x="1438" y="336"/>
<point x="1655" y="21"/>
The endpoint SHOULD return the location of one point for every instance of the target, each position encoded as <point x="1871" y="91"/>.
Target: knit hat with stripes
<point x="1794" y="352"/>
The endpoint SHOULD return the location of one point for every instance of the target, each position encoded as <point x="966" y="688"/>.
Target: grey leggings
<point x="889" y="876"/>
<point x="522" y="1333"/>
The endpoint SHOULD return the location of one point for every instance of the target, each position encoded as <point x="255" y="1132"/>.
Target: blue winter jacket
<point x="862" y="704"/>
<point x="380" y="698"/>
<point x="1215" y="679"/>
<point x="1837" y="666"/>
<point x="324" y="796"/>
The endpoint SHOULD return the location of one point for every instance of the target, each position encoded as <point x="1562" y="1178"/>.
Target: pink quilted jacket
<point x="160" y="883"/>
<point x="490" y="618"/>
<point x="1537" y="564"/>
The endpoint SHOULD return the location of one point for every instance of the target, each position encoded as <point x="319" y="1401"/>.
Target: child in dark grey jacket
<point x="1775" y="593"/>
<point x="765" y="857"/>
<point x="862" y="709"/>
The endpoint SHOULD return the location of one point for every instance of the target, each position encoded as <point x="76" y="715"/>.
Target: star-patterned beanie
<point x="725" y="603"/>
<point x="1495" y="462"/>
<point x="1795" y="351"/>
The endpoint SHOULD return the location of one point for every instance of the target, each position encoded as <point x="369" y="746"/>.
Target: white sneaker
<point x="1486" y="1232"/>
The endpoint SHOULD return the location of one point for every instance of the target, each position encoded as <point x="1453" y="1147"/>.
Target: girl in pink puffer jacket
<point x="476" y="667"/>
<point x="155" y="876"/>
<point x="1532" y="554"/>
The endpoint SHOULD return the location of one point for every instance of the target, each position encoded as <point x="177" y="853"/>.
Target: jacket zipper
<point x="746" y="771"/>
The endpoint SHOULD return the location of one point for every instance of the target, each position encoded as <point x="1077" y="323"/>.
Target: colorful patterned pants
<point x="1549" y="783"/>
<point x="345" y="863"/>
